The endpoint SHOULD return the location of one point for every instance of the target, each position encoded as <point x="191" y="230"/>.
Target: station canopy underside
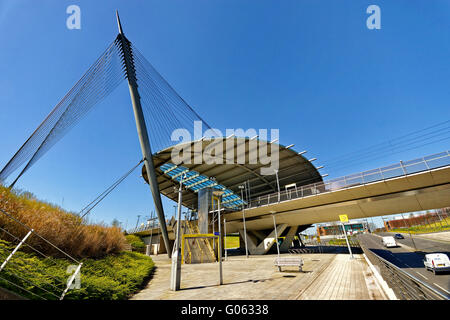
<point x="227" y="176"/>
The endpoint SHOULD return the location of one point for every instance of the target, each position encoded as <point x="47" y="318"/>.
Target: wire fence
<point x="26" y="270"/>
<point x="404" y="285"/>
<point x="403" y="168"/>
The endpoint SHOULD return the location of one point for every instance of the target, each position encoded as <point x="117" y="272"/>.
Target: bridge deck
<point x="326" y="276"/>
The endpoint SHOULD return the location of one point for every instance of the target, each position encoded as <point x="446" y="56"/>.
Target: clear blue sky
<point x="309" y="68"/>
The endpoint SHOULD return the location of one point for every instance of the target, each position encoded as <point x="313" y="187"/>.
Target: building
<point x="334" y="228"/>
<point x="417" y="219"/>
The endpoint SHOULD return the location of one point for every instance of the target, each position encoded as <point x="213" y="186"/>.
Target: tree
<point x="116" y="223"/>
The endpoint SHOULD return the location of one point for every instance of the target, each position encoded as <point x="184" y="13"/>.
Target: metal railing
<point x="325" y="245"/>
<point x="145" y="227"/>
<point x="405" y="286"/>
<point x="21" y="273"/>
<point x="403" y="168"/>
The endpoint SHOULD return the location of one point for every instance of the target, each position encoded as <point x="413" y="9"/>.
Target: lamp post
<point x="409" y="231"/>
<point x="278" y="184"/>
<point x="243" y="217"/>
<point x="218" y="194"/>
<point x="151" y="231"/>
<point x="175" y="278"/>
<point x="225" y="236"/>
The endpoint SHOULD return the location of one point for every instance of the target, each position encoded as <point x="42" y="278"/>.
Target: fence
<point x="330" y="245"/>
<point x="403" y="168"/>
<point x="26" y="270"/>
<point x="405" y="286"/>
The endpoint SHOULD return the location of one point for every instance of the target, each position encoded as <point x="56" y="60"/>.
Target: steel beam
<point x="143" y="134"/>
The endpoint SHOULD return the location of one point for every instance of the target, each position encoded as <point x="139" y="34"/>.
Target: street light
<point x="278" y="184"/>
<point x="218" y="194"/>
<point x="175" y="279"/>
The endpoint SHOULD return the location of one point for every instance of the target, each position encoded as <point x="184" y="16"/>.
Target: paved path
<point x="325" y="276"/>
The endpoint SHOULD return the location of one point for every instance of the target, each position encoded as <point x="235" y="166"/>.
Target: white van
<point x="436" y="262"/>
<point x="389" y="242"/>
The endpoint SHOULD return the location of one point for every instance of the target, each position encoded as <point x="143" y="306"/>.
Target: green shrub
<point x="136" y="243"/>
<point x="113" y="277"/>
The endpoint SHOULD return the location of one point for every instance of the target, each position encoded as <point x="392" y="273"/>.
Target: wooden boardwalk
<point x="325" y="276"/>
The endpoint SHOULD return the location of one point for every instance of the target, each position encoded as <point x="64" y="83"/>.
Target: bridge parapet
<point x="403" y="168"/>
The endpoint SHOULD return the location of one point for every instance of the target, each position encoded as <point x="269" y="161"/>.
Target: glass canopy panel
<point x="195" y="182"/>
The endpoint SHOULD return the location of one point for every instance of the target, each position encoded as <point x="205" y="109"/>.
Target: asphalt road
<point x="410" y="261"/>
<point x="424" y="245"/>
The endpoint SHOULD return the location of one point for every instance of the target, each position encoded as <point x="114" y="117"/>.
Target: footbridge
<point x="407" y="186"/>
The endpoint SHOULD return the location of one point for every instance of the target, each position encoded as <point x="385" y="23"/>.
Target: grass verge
<point x="114" y="277"/>
<point x="444" y="225"/>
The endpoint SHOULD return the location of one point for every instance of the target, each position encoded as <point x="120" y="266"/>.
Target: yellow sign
<point x="343" y="218"/>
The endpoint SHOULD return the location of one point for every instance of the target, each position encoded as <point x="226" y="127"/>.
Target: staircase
<point x="197" y="250"/>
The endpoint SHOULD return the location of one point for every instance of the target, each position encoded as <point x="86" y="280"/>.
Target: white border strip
<point x="388" y="291"/>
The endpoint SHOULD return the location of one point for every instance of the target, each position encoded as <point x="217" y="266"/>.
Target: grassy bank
<point x="343" y="242"/>
<point x="444" y="225"/>
<point x="64" y="229"/>
<point x="114" y="277"/>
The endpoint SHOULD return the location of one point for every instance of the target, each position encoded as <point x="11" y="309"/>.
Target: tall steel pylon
<point x="142" y="132"/>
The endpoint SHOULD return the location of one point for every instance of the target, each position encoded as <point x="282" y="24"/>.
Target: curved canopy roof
<point x="293" y="168"/>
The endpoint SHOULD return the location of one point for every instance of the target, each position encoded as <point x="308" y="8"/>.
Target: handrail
<point x="403" y="168"/>
<point x="7" y="265"/>
<point x="208" y="245"/>
<point x="404" y="283"/>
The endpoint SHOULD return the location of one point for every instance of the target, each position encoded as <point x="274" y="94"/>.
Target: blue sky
<point x="309" y="68"/>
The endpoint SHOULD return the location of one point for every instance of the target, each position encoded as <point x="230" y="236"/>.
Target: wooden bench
<point x="285" y="262"/>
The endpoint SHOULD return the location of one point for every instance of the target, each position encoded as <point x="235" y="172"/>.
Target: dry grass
<point x="65" y="230"/>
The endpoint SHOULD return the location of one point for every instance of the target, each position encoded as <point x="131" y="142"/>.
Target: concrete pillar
<point x="288" y="239"/>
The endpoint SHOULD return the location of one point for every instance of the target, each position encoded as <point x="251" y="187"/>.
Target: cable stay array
<point x="164" y="109"/>
<point x="413" y="140"/>
<point x="87" y="209"/>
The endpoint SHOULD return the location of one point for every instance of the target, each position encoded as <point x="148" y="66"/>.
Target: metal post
<point x="225" y="236"/>
<point x="15" y="249"/>
<point x="143" y="134"/>
<point x="247" y="188"/>
<point x="278" y="185"/>
<point x="385" y="225"/>
<point x="220" y="242"/>
<point x="409" y="231"/>
<point x="346" y="240"/>
<point x="245" y="228"/>
<point x="71" y="281"/>
<point x="276" y="235"/>
<point x="151" y="232"/>
<point x="175" y="278"/>
<point x="403" y="167"/>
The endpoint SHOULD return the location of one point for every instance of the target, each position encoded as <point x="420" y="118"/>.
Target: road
<point x="421" y="244"/>
<point x="410" y="261"/>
